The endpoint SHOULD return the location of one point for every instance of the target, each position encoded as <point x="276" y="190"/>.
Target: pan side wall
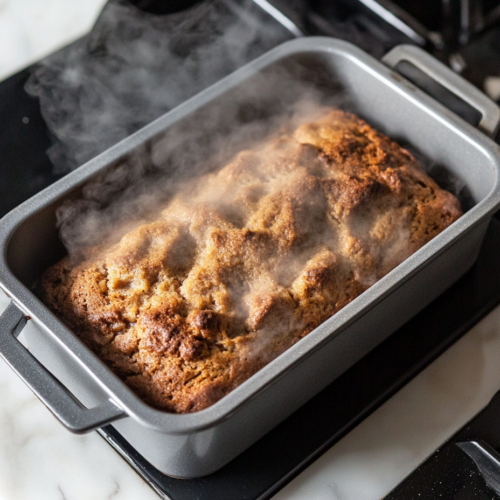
<point x="35" y="243"/>
<point x="200" y="453"/>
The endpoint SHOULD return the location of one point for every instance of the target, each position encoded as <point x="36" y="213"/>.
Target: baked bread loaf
<point x="241" y="265"/>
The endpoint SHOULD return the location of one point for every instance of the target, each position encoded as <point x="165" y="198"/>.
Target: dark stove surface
<point x="26" y="168"/>
<point x="283" y="453"/>
<point x="466" y="467"/>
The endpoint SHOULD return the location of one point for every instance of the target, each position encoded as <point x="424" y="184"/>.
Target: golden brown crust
<point x="236" y="271"/>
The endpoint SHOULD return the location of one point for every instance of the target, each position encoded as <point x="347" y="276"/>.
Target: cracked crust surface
<point x="240" y="266"/>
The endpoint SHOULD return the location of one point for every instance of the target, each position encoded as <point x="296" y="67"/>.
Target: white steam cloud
<point x="135" y="66"/>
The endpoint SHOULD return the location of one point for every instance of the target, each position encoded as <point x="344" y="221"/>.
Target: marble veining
<point x="396" y="438"/>
<point x="39" y="459"/>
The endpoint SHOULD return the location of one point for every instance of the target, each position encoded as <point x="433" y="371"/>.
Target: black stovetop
<point x="457" y="35"/>
<point x="278" y="457"/>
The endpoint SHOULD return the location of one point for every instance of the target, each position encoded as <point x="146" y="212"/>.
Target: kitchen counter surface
<point x="40" y="460"/>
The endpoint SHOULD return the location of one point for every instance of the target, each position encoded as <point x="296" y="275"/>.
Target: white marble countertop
<point x="40" y="460"/>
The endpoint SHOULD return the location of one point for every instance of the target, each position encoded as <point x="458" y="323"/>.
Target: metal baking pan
<point x="197" y="444"/>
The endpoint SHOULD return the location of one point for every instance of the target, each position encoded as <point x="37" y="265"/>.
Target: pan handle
<point x="72" y="414"/>
<point x="490" y="112"/>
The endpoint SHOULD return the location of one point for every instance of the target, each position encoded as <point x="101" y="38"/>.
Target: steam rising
<point x="272" y="244"/>
<point x="228" y="232"/>
<point x="135" y="190"/>
<point x="132" y="68"/>
<point x="135" y="66"/>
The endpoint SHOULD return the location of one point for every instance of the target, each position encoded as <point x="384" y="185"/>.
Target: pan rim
<point x="186" y="423"/>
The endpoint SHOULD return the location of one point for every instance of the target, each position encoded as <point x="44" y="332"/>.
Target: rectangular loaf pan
<point x="197" y="444"/>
